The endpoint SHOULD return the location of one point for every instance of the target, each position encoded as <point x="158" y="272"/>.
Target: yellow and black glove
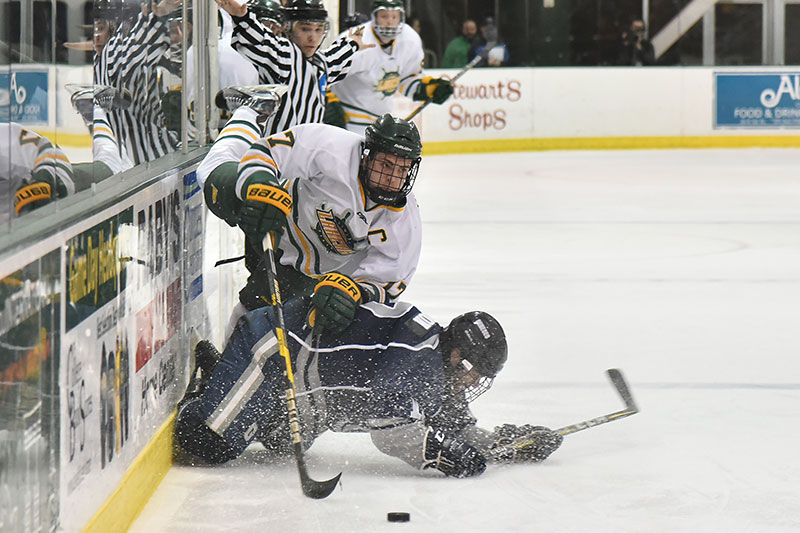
<point x="33" y="195"/>
<point x="335" y="302"/>
<point x="265" y="205"/>
<point x="40" y="190"/>
<point x="437" y="90"/>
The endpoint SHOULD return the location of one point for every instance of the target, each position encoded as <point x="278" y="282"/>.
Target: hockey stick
<point x="615" y="375"/>
<point x="311" y="488"/>
<point x="475" y="61"/>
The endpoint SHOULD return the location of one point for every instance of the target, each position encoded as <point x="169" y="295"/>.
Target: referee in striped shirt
<point x="294" y="60"/>
<point x="129" y="60"/>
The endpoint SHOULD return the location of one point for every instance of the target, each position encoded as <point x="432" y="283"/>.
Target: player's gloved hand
<point x="436" y="89"/>
<point x="334" y="111"/>
<point x="538" y="442"/>
<point x="40" y="191"/>
<point x="335" y="302"/>
<point x="265" y="206"/>
<point x="452" y="456"/>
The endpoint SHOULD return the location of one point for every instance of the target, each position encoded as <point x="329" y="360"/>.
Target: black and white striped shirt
<point x="130" y="61"/>
<point x="279" y="60"/>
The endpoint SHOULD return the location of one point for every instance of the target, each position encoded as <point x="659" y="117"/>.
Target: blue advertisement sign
<point x="23" y="97"/>
<point x="757" y="100"/>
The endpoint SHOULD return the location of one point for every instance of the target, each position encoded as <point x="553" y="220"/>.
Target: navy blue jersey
<point x="383" y="371"/>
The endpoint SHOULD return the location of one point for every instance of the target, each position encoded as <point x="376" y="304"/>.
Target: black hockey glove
<point x="451" y="456"/>
<point x="535" y="443"/>
<point x="335" y="302"/>
<point x="265" y="206"/>
<point x="334" y="111"/>
<point x="436" y="89"/>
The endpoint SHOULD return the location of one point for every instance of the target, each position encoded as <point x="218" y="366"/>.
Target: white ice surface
<point x="680" y="267"/>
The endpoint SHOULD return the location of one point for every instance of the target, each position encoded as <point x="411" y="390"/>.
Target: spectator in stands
<point x="636" y="49"/>
<point x="456" y="55"/>
<point x="430" y="59"/>
<point x="490" y="46"/>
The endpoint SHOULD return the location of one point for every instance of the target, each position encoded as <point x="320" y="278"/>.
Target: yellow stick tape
<point x="611" y="143"/>
<point x="138" y="484"/>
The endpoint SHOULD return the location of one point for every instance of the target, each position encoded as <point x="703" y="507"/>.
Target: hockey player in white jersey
<point x="394" y="64"/>
<point x="32" y="171"/>
<point x="354" y="222"/>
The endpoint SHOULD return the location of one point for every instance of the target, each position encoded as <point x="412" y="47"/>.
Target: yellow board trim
<point x="73" y="140"/>
<point x="611" y="143"/>
<point x="138" y="484"/>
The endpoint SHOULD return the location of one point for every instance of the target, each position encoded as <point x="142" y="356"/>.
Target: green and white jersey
<point x="333" y="226"/>
<point x="376" y="74"/>
<point x="26" y="154"/>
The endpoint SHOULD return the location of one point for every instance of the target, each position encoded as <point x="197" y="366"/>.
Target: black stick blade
<point x="615" y="375"/>
<point x="318" y="490"/>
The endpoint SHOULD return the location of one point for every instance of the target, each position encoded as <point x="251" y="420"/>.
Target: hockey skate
<point x="264" y="99"/>
<point x="201" y="367"/>
<point x="85" y="97"/>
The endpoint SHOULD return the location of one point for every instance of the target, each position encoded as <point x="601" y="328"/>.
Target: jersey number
<point x="288" y="141"/>
<point x="26" y="137"/>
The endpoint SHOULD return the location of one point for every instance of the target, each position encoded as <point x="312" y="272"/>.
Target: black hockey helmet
<point x="388" y="32"/>
<point x="395" y="136"/>
<point x="295" y="11"/>
<point x="304" y="10"/>
<point x="482" y="344"/>
<point x="269" y="10"/>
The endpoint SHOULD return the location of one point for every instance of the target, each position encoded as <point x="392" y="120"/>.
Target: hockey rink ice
<point x="680" y="267"/>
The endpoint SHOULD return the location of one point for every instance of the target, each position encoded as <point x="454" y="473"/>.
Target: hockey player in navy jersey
<point x="393" y="373"/>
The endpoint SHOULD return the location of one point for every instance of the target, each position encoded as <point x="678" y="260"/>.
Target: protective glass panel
<point x="738" y="36"/>
<point x="590" y="33"/>
<point x="792" y="35"/>
<point x="135" y="118"/>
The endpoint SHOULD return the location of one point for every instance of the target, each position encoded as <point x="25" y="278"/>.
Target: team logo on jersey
<point x="389" y="83"/>
<point x="334" y="233"/>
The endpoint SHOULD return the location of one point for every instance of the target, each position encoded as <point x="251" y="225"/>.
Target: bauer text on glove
<point x="265" y="205"/>
<point x="335" y="302"/>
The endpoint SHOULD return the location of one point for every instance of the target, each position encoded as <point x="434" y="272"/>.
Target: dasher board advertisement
<point x="757" y="100"/>
<point x="123" y="365"/>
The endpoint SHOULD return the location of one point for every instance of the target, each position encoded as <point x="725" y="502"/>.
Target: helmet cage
<point x="476" y="388"/>
<point x="371" y="177"/>
<point x="482" y="347"/>
<point x="388" y="33"/>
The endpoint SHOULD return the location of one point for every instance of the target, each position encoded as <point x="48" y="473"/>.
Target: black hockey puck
<point x="398" y="517"/>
